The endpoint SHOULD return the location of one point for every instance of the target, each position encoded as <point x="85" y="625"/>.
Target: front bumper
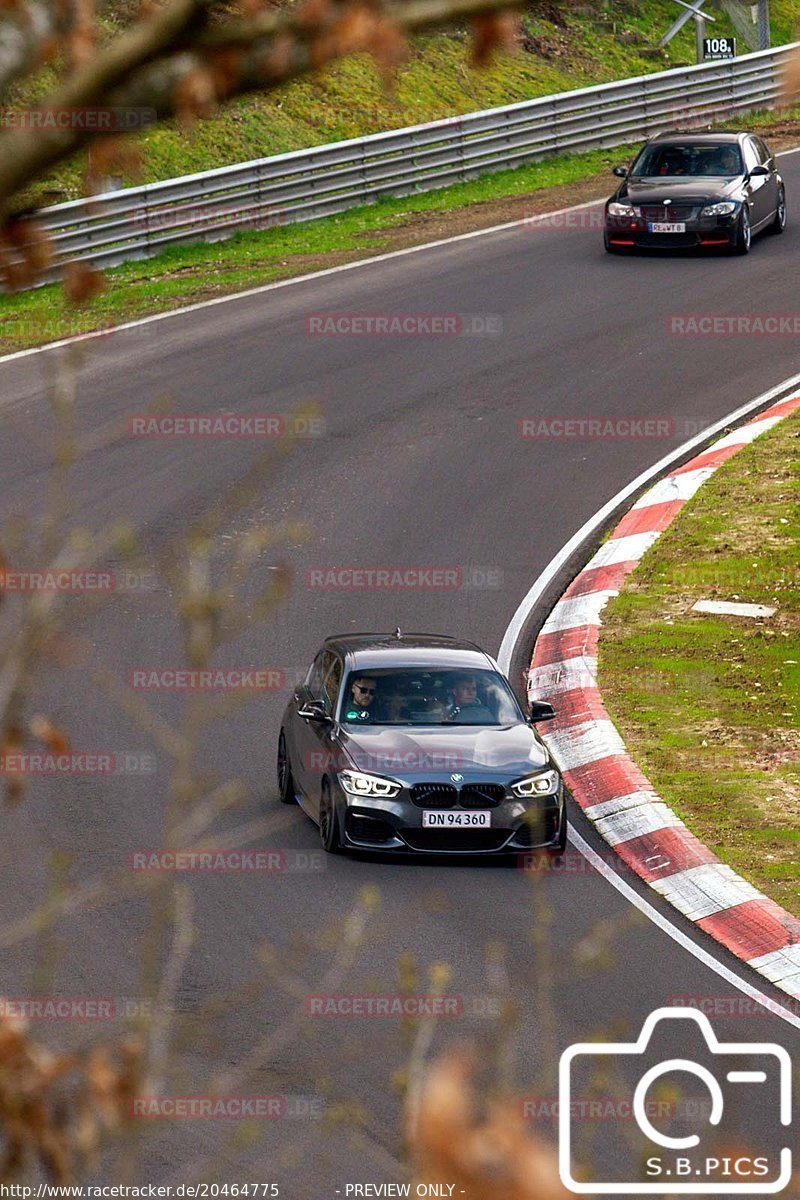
<point x="395" y="826"/>
<point x="633" y="232"/>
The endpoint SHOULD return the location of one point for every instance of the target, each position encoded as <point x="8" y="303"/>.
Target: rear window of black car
<point x="428" y="697"/>
<point x="674" y="159"/>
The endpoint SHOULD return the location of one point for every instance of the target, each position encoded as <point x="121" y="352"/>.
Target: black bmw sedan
<point x="687" y="190"/>
<point x="417" y="743"/>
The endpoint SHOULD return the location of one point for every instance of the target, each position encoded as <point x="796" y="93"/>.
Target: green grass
<point x="710" y="706"/>
<point x="349" y="100"/>
<point x="185" y="274"/>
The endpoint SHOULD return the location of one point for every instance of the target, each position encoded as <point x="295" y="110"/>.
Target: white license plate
<point x="667" y="227"/>
<point x="455" y="820"/>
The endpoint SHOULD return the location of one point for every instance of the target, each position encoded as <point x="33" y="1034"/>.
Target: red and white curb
<point x="605" y="781"/>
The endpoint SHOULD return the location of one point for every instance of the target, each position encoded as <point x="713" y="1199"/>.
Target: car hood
<point x="434" y="753"/>
<point x="680" y="191"/>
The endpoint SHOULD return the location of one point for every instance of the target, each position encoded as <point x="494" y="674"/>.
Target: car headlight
<point x="540" y="784"/>
<point x="616" y="209"/>
<point x="358" y="783"/>
<point x="723" y="209"/>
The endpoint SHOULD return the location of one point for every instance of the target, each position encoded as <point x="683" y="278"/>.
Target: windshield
<point x="428" y="697"/>
<point x="688" y="158"/>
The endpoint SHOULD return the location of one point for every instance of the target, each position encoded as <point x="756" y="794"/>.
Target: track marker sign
<point x="718" y="48"/>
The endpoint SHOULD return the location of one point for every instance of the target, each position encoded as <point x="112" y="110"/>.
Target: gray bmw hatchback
<point x="415" y="742"/>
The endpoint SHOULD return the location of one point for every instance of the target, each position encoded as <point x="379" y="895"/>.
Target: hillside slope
<point x="561" y="47"/>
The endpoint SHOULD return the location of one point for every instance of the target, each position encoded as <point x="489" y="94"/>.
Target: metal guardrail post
<point x="763" y="25"/>
<point x="305" y="184"/>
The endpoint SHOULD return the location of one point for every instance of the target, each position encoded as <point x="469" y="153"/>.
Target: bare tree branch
<point x="178" y="53"/>
<point x="26" y="153"/>
<point x="27" y="36"/>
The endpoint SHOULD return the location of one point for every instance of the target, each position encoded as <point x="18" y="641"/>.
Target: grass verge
<point x="185" y="275"/>
<point x="710" y="706"/>
<point x="559" y="49"/>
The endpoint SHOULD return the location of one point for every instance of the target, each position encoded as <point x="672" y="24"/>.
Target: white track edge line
<point x="596" y="521"/>
<point x="509" y="642"/>
<point x="280" y="283"/>
<point x="683" y="940"/>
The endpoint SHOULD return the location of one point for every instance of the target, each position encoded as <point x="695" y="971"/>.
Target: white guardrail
<point x="305" y="184"/>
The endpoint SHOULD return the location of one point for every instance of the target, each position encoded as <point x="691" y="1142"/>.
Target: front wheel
<point x="561" y="844"/>
<point x="744" y="234"/>
<point x="779" y="224"/>
<point x="285" y="778"/>
<point x="329" y="822"/>
<point x="609" y="248"/>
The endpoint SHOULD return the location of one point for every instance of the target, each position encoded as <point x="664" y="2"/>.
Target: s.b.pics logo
<point x="690" y="1097"/>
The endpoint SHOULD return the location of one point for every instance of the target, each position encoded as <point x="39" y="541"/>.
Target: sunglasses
<point x="366" y="690"/>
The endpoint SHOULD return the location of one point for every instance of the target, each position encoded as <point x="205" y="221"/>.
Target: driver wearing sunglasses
<point x="362" y="696"/>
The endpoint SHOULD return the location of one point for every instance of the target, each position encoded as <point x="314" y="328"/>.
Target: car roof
<point x="375" y="650"/>
<point x="708" y="135"/>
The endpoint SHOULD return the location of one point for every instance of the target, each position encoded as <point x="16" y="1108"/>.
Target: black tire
<point x="744" y="235"/>
<point x="779" y="224"/>
<point x="286" y="789"/>
<point x="561" y="844"/>
<point x="329" y="834"/>
<point x="609" y="248"/>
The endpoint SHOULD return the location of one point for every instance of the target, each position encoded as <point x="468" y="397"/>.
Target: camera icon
<point x="747" y="1077"/>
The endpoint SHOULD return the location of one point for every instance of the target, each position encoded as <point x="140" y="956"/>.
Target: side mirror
<point x="621" y="172"/>
<point x="314" y="710"/>
<point x="540" y="711"/>
<point x="759" y="171"/>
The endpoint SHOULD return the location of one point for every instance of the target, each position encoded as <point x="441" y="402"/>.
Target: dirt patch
<point x="415" y="229"/>
<point x="412" y="229"/>
<point x="428" y="226"/>
<point x="419" y="227"/>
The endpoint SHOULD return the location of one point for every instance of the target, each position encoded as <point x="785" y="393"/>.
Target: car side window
<point x="333" y="682"/>
<point x="750" y="154"/>
<point x="764" y="152"/>
<point x="317" y="672"/>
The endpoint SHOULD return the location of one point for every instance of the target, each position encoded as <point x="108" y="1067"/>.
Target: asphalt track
<point x="421" y="465"/>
